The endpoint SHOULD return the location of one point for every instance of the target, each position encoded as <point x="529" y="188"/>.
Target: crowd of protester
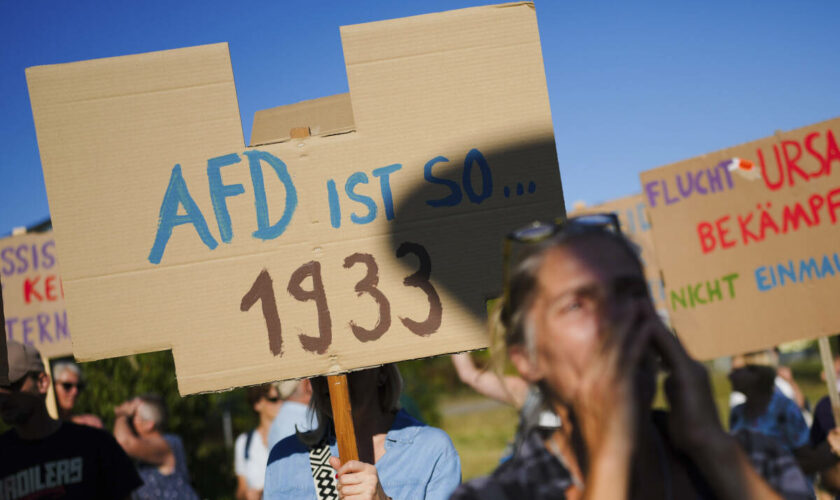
<point x="577" y="323"/>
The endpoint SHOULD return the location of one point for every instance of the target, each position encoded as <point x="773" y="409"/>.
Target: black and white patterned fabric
<point x="323" y="475"/>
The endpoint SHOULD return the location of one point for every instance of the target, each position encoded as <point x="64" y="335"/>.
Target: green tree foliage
<point x="424" y="382"/>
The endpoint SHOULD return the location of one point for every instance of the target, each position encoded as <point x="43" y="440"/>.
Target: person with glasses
<point x="577" y="319"/>
<point x="41" y="457"/>
<point x="68" y="385"/>
<point x="251" y="448"/>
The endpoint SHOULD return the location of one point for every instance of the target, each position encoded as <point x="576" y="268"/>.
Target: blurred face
<point x="584" y="290"/>
<point x="67" y="390"/>
<point x="752" y="380"/>
<point x="139" y="422"/>
<point x="20" y="401"/>
<point x="269" y="404"/>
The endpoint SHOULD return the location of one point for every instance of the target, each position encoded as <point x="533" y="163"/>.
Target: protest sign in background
<point x="313" y="255"/>
<point x="748" y="241"/>
<point x="632" y="215"/>
<point x="33" y="299"/>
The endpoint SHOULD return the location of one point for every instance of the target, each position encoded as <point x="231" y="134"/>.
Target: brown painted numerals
<point x="368" y="285"/>
<point x="263" y="290"/>
<point x="420" y="279"/>
<point x="320" y="343"/>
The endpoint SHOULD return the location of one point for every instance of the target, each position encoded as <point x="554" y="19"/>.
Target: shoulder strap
<point x="248" y="439"/>
<point x="323" y="475"/>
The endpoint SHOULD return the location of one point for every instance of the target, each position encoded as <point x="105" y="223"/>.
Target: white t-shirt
<point x="254" y="467"/>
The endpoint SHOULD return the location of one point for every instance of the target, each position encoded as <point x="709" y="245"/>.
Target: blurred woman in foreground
<point x="578" y="320"/>
<point x="400" y="457"/>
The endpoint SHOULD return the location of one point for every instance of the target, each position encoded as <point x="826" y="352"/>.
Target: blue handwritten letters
<point x="473" y="157"/>
<point x="178" y="196"/>
<point x="797" y="271"/>
<point x="356" y="201"/>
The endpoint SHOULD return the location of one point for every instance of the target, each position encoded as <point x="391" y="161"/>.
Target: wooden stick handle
<point x="343" y="418"/>
<point x="52" y="402"/>
<point x="830" y="377"/>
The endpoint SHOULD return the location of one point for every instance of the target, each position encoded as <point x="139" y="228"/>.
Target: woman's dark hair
<point x="256" y="392"/>
<point x="390" y="388"/>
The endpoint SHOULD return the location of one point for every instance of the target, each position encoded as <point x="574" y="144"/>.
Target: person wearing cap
<point x="251" y="448"/>
<point x="294" y="416"/>
<point x="46" y="458"/>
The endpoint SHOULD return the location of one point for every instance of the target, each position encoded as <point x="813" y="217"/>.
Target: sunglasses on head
<point x="538" y="231"/>
<point x="68" y="386"/>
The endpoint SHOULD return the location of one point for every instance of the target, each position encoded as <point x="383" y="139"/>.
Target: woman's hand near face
<point x="358" y="480"/>
<point x="695" y="428"/>
<point x="693" y="415"/>
<point x="606" y="405"/>
<point x="127" y="408"/>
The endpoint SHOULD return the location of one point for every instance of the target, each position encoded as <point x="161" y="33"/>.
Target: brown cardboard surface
<point x="453" y="145"/>
<point x="773" y="225"/>
<point x="33" y="302"/>
<point x="325" y="116"/>
<point x="632" y="215"/>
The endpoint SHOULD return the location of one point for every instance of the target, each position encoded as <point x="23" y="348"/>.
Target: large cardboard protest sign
<point x="316" y="254"/>
<point x="33" y="301"/>
<point x="748" y="241"/>
<point x="632" y="215"/>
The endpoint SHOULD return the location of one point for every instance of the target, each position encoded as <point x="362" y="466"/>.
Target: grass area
<point x="481" y="436"/>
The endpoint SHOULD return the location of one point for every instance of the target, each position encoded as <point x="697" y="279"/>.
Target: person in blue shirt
<point x="769" y="412"/>
<point x="400" y="457"/>
<point x="294" y="415"/>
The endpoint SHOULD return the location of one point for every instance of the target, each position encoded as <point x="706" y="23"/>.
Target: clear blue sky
<point x="633" y="85"/>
